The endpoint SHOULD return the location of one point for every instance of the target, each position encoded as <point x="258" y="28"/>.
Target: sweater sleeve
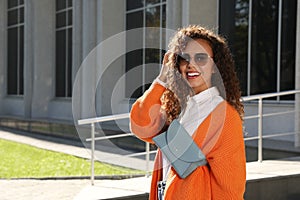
<point x="227" y="160"/>
<point x="146" y="119"/>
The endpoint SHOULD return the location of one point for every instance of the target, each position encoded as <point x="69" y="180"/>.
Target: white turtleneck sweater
<point x="198" y="108"/>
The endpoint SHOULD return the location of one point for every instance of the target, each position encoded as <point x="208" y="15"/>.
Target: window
<point x="64" y="26"/>
<point x="262" y="37"/>
<point x="15" y="47"/>
<point x="143" y="14"/>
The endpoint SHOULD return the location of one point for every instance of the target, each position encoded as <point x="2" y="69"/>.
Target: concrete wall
<point x="284" y="123"/>
<point x="94" y="23"/>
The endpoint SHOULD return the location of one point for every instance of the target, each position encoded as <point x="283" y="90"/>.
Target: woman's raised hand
<point x="165" y="68"/>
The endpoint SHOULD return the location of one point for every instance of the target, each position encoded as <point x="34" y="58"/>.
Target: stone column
<point x="77" y="37"/>
<point x="88" y="74"/>
<point x="297" y="86"/>
<point x="41" y="61"/>
<point x="174" y="14"/>
<point x="110" y="60"/>
<point x="28" y="58"/>
<point x="204" y="13"/>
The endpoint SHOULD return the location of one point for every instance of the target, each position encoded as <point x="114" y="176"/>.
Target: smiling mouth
<point x="191" y="75"/>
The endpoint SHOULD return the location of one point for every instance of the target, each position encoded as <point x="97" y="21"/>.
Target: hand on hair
<point x="165" y="68"/>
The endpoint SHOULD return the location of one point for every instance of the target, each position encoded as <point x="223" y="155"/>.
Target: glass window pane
<point x="61" y="19"/>
<point x="152" y="56"/>
<point x="164" y="17"/>
<point x="134" y="4"/>
<point x="153" y="17"/>
<point x="21" y="17"/>
<point x="150" y="47"/>
<point x="60" y="4"/>
<point x="134" y="62"/>
<point x="12" y="60"/>
<point x="70" y="3"/>
<point x="152" y="35"/>
<point x="151" y="2"/>
<point x="70" y="19"/>
<point x="152" y="38"/>
<point x="134" y="59"/>
<point x="21" y="61"/>
<point x="21" y="2"/>
<point x="234" y="27"/>
<point x="137" y="92"/>
<point x="163" y="25"/>
<point x="152" y="61"/>
<point x="60" y="63"/>
<point x="264" y="47"/>
<point x="69" y="92"/>
<point x="288" y="47"/>
<point x="134" y="39"/>
<point x="240" y="42"/>
<point x="12" y="17"/>
<point x="134" y="20"/>
<point x="12" y="3"/>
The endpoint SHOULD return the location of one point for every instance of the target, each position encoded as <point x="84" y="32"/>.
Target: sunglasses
<point x="200" y="59"/>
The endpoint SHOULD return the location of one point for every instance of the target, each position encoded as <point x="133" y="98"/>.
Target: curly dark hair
<point x="223" y="60"/>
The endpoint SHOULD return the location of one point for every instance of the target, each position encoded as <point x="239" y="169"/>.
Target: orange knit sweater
<point x="221" y="140"/>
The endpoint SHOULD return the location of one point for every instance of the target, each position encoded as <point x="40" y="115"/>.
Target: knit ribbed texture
<point x="219" y="136"/>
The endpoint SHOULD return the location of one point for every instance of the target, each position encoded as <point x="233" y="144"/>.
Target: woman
<point x="211" y="113"/>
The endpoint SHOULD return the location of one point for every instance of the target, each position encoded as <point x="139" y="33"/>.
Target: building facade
<point x="64" y="60"/>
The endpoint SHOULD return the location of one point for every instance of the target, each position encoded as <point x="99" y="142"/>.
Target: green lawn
<point x="24" y="161"/>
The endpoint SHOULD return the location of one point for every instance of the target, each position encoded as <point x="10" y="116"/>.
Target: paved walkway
<point x="71" y="189"/>
<point x="77" y="189"/>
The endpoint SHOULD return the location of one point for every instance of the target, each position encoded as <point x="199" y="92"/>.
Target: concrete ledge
<point x="278" y="188"/>
<point x="275" y="188"/>
<point x="133" y="197"/>
<point x="64" y="129"/>
<point x="270" y="179"/>
<point x="273" y="179"/>
<point x="272" y="149"/>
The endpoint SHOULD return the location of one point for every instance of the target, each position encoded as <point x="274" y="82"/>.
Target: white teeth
<point x="193" y="73"/>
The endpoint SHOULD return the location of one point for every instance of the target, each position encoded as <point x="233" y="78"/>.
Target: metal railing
<point x="92" y="122"/>
<point x="260" y="115"/>
<point x="259" y="137"/>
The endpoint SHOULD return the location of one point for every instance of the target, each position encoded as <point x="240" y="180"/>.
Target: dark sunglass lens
<point x="201" y="58"/>
<point x="184" y="58"/>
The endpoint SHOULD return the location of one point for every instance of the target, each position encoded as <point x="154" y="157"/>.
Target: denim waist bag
<point x="180" y="149"/>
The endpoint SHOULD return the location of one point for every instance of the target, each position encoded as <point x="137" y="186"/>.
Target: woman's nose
<point x="190" y="65"/>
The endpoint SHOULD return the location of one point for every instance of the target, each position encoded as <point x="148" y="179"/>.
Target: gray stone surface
<point x="71" y="189"/>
